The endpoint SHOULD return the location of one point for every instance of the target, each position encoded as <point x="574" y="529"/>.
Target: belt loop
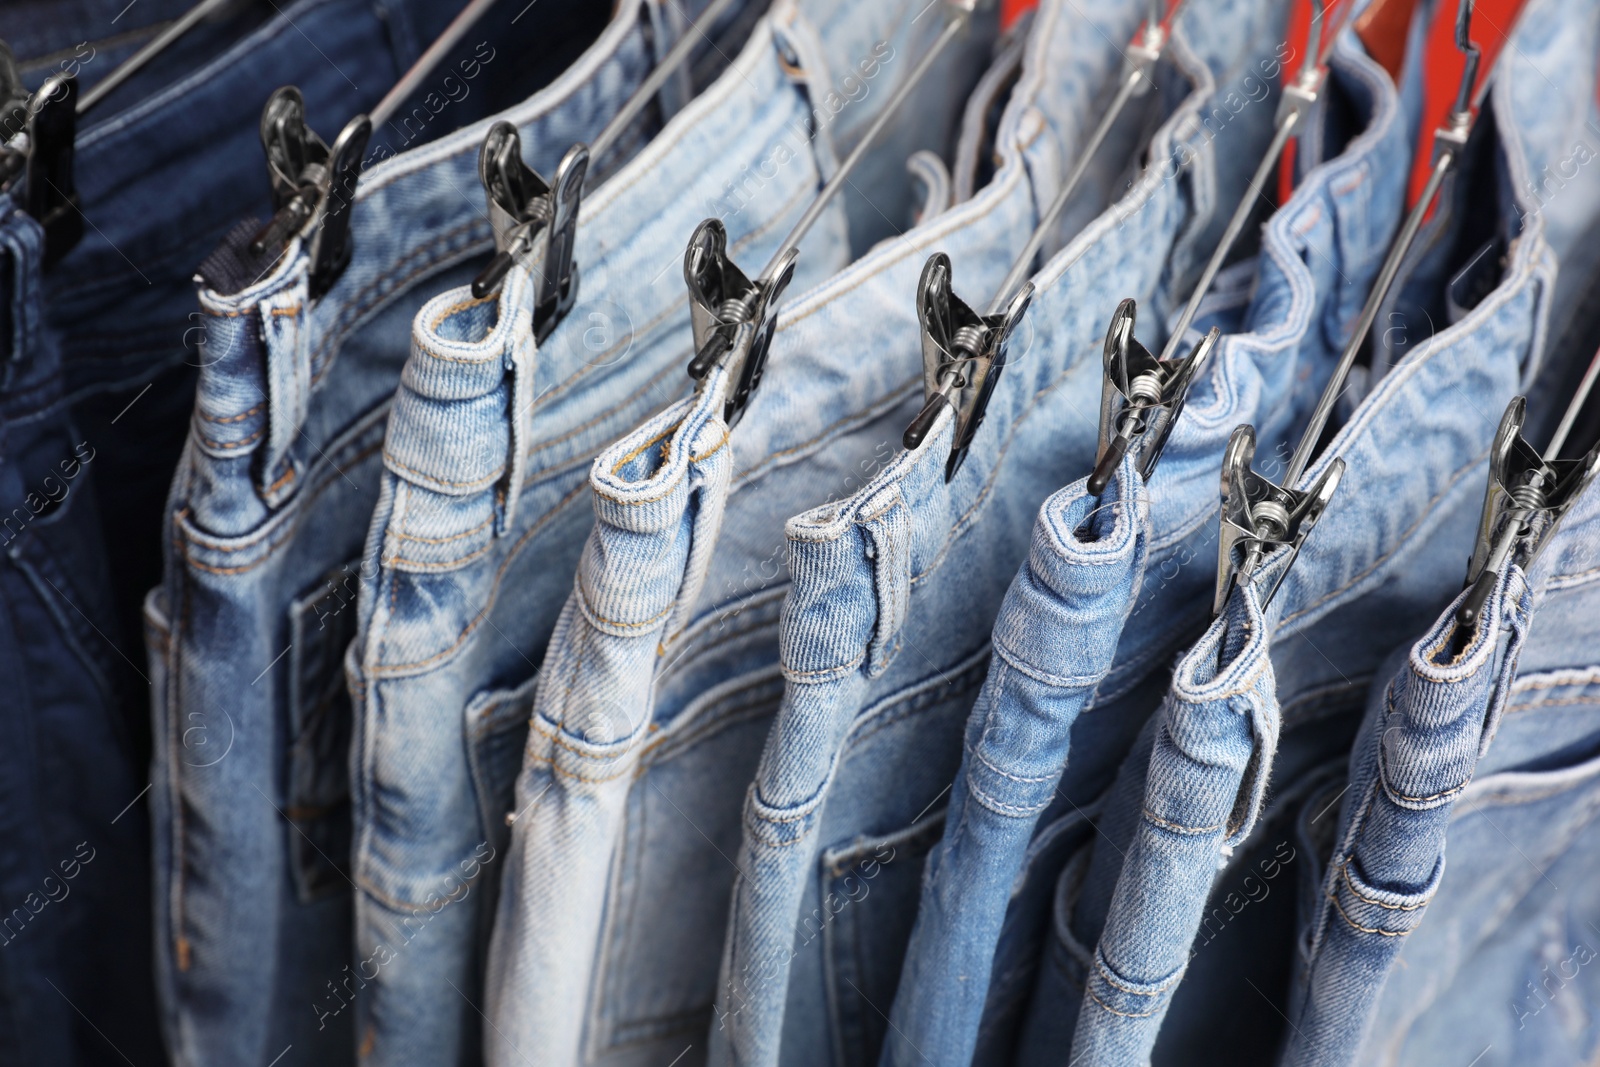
<point x="288" y="381"/>
<point x="521" y="362"/>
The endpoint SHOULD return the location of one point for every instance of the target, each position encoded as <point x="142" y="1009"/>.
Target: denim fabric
<point x="1319" y="254"/>
<point x="267" y="519"/>
<point x="74" y="843"/>
<point x="1389" y="552"/>
<point x="163" y="168"/>
<point x="1500" y="964"/>
<point x="475" y="547"/>
<point x="551" y="997"/>
<point x="868" y="736"/>
<point x="688" y="544"/>
<point x="1419" y="744"/>
<point x="1053" y="643"/>
<point x="1209" y="763"/>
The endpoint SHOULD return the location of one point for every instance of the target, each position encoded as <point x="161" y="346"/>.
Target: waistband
<point x="430" y="188"/>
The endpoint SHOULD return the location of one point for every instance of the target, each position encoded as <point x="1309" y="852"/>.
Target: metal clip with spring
<point x="733" y="318"/>
<point x="1141" y="397"/>
<point x="524" y="207"/>
<point x="1526" y="499"/>
<point x="1259" y="516"/>
<point x="313" y="186"/>
<point x="37" y="131"/>
<point x="963" y="355"/>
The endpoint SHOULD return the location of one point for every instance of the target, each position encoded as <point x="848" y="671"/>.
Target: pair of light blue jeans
<point x="661" y="678"/>
<point x="266" y="526"/>
<point x="1331" y="233"/>
<point x="484" y="508"/>
<point x="1386" y="557"/>
<point x="885" y="625"/>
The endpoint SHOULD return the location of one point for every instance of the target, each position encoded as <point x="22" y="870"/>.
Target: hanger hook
<point x="1464" y="42"/>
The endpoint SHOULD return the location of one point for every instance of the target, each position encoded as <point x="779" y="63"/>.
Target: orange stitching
<point x="444" y="540"/>
<point x="229" y="418"/>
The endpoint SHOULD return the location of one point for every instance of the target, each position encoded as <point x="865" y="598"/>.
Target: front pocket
<point x="869" y="890"/>
<point x="322" y="623"/>
<point x="496" y="728"/>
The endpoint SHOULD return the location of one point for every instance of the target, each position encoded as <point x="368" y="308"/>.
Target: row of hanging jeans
<point x="1126" y="519"/>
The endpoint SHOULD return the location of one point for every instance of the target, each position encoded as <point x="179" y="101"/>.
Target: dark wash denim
<point x="679" y="581"/>
<point x="482" y="514"/>
<point x="167" y="164"/>
<point x="885" y="628"/>
<point x="1388" y="555"/>
<point x="266" y="523"/>
<point x="74" y="844"/>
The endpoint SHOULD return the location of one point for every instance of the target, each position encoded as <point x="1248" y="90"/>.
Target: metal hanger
<point x="1260" y="515"/>
<point x="964" y="352"/>
<point x="523" y="205"/>
<point x="1527" y="497"/>
<point x="313" y="184"/>
<point x="36" y="135"/>
<point x="156" y="45"/>
<point x="1142" y="396"/>
<point x="733" y="317"/>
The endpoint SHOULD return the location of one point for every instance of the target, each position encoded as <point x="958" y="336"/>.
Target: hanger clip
<point x="1141" y="397"/>
<point x="963" y="355"/>
<point x="523" y="207"/>
<point x="1144" y="52"/>
<point x="36" y="142"/>
<point x="313" y="186"/>
<point x="1259" y="516"/>
<point x="733" y="318"/>
<point x="1526" y="499"/>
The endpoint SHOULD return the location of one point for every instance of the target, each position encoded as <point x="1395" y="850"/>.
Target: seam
<point x="1344" y="869"/>
<point x="388" y="457"/>
<point x="1179" y="828"/>
<point x="225" y="445"/>
<point x="1114" y="1011"/>
<point x="460" y="305"/>
<point x="443" y="565"/>
<point x="444" y="540"/>
<point x="198" y="410"/>
<point x="1357" y="926"/>
<point x="590" y="610"/>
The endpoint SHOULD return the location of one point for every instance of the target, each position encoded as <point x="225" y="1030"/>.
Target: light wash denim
<point x="885" y="627"/>
<point x="484" y="509"/>
<point x="1210" y="760"/>
<point x="690" y="541"/>
<point x="1303" y="291"/>
<point x="1421" y="739"/>
<point x="1389" y="552"/>
<point x="267" y="519"/>
<point x="74" y="842"/>
<point x="1053" y="643"/>
<point x="1500" y="964"/>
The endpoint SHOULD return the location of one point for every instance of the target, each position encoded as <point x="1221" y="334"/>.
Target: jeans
<point x="1319" y="253"/>
<point x="1418" y="746"/>
<point x="1388" y="553"/>
<point x="267" y="518"/>
<point x="74" y="844"/>
<point x="483" y="510"/>
<point x="164" y="167"/>
<point x="600" y="855"/>
<point x="1053" y="643"/>
<point x="885" y="628"/>
<point x="1497" y="942"/>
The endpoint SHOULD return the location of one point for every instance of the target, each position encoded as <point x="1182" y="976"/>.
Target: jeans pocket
<point x="496" y="729"/>
<point x="322" y="623"/>
<point x="868" y="890"/>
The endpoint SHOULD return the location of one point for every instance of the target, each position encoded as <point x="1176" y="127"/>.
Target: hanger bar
<point x="1570" y="417"/>
<point x="1134" y="83"/>
<point x="963" y="10"/>
<point x="157" y="44"/>
<point x="1369" y="315"/>
<point x="431" y="57"/>
<point x="675" y="57"/>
